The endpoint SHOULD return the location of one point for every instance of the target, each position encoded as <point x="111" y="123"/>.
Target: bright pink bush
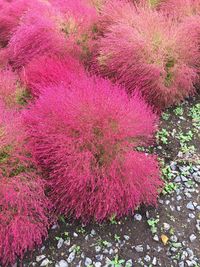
<point x="49" y="71"/>
<point x="23" y="216"/>
<point x="37" y="34"/>
<point x="84" y="137"/>
<point x="149" y="57"/>
<point x="23" y="206"/>
<point x="10" y="14"/>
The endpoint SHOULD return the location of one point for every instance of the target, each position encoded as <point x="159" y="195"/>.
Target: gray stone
<point x="196" y="177"/>
<point x="166" y="226"/>
<point x="147" y="258"/>
<point x="177" y="179"/>
<point x="71" y="257"/>
<point x="97" y="249"/>
<point x="63" y="263"/>
<point x="75" y="234"/>
<point x="156" y="238"/>
<point x="126" y="237"/>
<point x="99" y="257"/>
<point x="191" y="215"/>
<point x="129" y="263"/>
<point x="190" y="206"/>
<point x="45" y="262"/>
<point x="93" y="233"/>
<point x="174" y="238"/>
<point x="192" y="237"/>
<point x="40" y="257"/>
<point x="139" y="248"/>
<point x="154" y="261"/>
<point x="97" y="264"/>
<point x="184" y="255"/>
<point x="60" y="243"/>
<point x="181" y="264"/>
<point x="138" y="217"/>
<point x="67" y="242"/>
<point x="88" y="262"/>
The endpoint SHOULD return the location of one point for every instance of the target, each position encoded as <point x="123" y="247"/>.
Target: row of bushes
<point x="82" y="83"/>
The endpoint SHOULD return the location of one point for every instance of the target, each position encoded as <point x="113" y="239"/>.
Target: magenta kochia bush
<point x="149" y="56"/>
<point x="47" y="71"/>
<point x="85" y="136"/>
<point x="37" y="34"/>
<point x="10" y="14"/>
<point x="23" y="205"/>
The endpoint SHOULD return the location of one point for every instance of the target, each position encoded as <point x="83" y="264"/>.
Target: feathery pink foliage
<point x="37" y="34"/>
<point x="84" y="136"/>
<point x="23" y="213"/>
<point x="8" y="80"/>
<point x="23" y="216"/>
<point x="10" y="14"/>
<point x="179" y="9"/>
<point x="79" y="13"/>
<point x="49" y="71"/>
<point x="148" y="57"/>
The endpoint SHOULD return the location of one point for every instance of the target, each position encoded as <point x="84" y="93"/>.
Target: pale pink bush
<point x="84" y="136"/>
<point x="24" y="208"/>
<point x="79" y="16"/>
<point x="179" y="9"/>
<point x="148" y="56"/>
<point x="50" y="71"/>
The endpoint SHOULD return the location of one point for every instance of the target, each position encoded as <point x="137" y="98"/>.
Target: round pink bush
<point x="37" y="34"/>
<point x="23" y="216"/>
<point x="49" y="71"/>
<point x="10" y="14"/>
<point x="24" y="208"/>
<point x="84" y="136"/>
<point x="144" y="52"/>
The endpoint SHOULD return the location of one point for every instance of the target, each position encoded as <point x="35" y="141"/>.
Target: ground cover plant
<point x="82" y="86"/>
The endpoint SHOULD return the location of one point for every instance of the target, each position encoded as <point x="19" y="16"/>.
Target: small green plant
<point x="112" y="219"/>
<point x="195" y="114"/>
<point x="167" y="173"/>
<point x="179" y="111"/>
<point x="169" y="188"/>
<point x="102" y="243"/>
<point x="165" y="116"/>
<point x="184" y="138"/>
<point x="117" y="237"/>
<point x="81" y="230"/>
<point x="116" y="262"/>
<point x="162" y="136"/>
<point x="153" y="222"/>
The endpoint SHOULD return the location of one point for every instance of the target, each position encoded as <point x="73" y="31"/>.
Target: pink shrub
<point x="37" y="34"/>
<point x="149" y="57"/>
<point x="49" y="71"/>
<point x="79" y="15"/>
<point x="10" y="14"/>
<point x="179" y="9"/>
<point x="23" y="213"/>
<point x="23" y="216"/>
<point x="84" y="137"/>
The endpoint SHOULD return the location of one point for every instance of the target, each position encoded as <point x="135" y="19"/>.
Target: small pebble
<point x="40" y="257"/>
<point x="192" y="238"/>
<point x="190" y="206"/>
<point x="88" y="262"/>
<point x="138" y="217"/>
<point x="139" y="248"/>
<point x="45" y="262"/>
